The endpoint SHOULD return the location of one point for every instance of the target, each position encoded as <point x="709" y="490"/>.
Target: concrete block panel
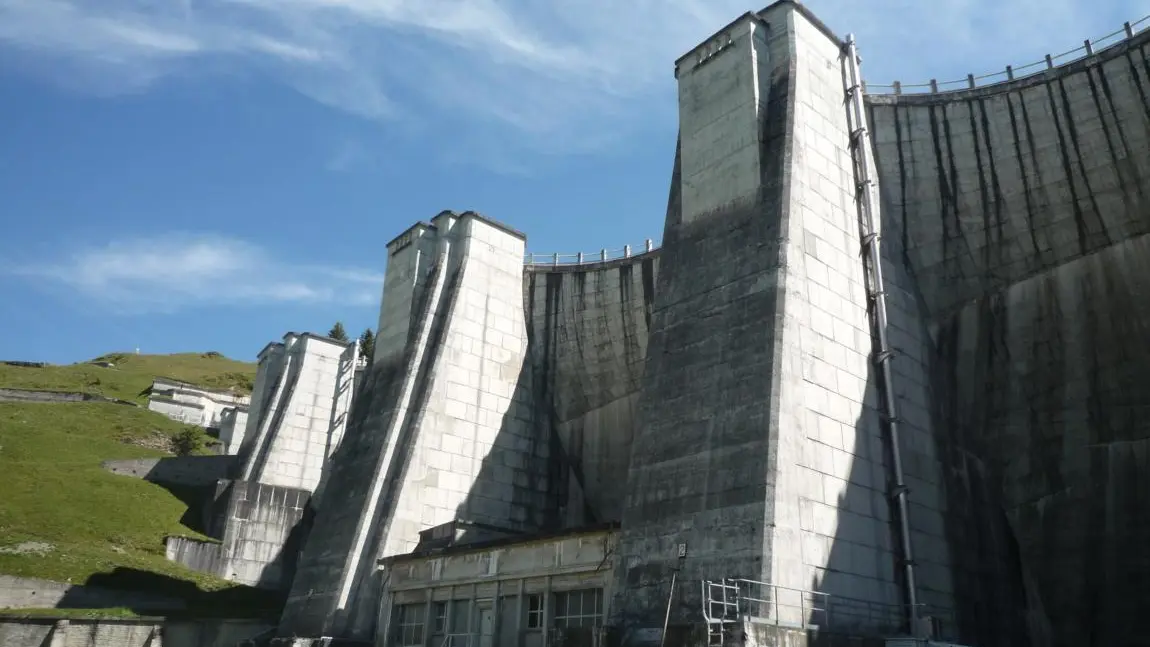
<point x="433" y="427"/>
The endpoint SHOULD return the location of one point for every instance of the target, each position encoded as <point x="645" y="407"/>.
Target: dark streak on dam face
<point x="725" y="396"/>
<point x="587" y="328"/>
<point x="1024" y="214"/>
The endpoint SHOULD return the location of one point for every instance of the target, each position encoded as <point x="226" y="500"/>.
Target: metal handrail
<point x="1011" y="73"/>
<point x="450" y="640"/>
<point x="580" y="258"/>
<point x="773" y="604"/>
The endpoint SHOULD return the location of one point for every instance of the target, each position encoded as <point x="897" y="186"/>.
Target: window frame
<point x="409" y="624"/>
<point x="563" y="618"/>
<point x="438" y="618"/>
<point x="535" y="616"/>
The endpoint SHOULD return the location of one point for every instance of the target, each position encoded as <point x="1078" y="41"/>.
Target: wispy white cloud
<point x="549" y="76"/>
<point x="178" y="271"/>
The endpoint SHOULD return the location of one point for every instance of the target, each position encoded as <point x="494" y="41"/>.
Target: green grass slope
<point x="64" y="518"/>
<point x="55" y="491"/>
<point x="132" y="374"/>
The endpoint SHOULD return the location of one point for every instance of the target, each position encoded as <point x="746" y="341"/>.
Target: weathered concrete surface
<point x="1047" y="390"/>
<point x="33" y="593"/>
<point x="1022" y="208"/>
<point x="441" y="430"/>
<point x="759" y="444"/>
<point x="300" y="401"/>
<point x="195" y="471"/>
<point x="140" y="632"/>
<point x="299" y="411"/>
<point x="260" y="535"/>
<point x="587" y="338"/>
<point x="36" y="395"/>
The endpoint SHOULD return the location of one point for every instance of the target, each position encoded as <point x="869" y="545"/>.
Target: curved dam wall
<point x="1023" y="210"/>
<point x="587" y="331"/>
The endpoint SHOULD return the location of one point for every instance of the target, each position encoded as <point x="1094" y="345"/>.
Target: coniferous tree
<point x="337" y="332"/>
<point x="367" y="344"/>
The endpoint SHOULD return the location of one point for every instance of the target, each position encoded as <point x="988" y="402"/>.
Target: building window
<point x="439" y="615"/>
<point x="583" y="608"/>
<point x="535" y="611"/>
<point x="410" y="624"/>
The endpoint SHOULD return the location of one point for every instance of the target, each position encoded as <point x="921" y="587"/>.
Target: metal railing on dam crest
<point x="1011" y="73"/>
<point x="580" y="258"/>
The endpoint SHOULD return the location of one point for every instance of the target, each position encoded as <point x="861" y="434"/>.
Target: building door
<point x="486" y="627"/>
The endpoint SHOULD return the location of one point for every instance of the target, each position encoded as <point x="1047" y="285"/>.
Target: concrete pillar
<point x="459" y="390"/>
<point x="59" y="634"/>
<point x="409" y="257"/>
<point x="757" y="364"/>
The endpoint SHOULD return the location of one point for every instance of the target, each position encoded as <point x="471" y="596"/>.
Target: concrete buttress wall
<point x="441" y="431"/>
<point x="759" y="445"/>
<point x="1023" y="211"/>
<point x="297" y="427"/>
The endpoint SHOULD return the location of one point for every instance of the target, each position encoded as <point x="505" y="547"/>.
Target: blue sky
<point x="208" y="174"/>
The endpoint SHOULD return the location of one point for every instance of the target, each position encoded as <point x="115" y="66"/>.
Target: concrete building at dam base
<point x="885" y="379"/>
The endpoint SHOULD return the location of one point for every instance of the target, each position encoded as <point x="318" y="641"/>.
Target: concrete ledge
<point x="17" y="631"/>
<point x="36" y="395"/>
<point x="176" y="470"/>
<point x="32" y="593"/>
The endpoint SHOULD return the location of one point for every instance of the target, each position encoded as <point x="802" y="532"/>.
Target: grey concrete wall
<point x="702" y="453"/>
<point x="1001" y="183"/>
<point x="259" y="531"/>
<point x="143" y="632"/>
<point x="587" y="329"/>
<point x="295" y="432"/>
<point x="34" y="593"/>
<point x="33" y="395"/>
<point x="444" y="432"/>
<point x="760" y="444"/>
<point x="1022" y="208"/>
<point x="195" y="471"/>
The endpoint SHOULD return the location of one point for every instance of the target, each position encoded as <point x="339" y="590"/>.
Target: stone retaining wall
<point x="136" y="632"/>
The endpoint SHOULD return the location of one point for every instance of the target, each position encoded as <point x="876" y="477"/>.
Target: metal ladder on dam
<point x="720" y="610"/>
<point x="870" y="238"/>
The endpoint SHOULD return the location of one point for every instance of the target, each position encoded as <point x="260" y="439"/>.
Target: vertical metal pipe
<point x="667" y="617"/>
<point x="861" y="144"/>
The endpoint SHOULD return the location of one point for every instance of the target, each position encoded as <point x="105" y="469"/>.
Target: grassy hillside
<point x="64" y="518"/>
<point x="132" y="374"/>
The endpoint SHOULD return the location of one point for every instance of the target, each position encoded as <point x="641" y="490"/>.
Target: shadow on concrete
<point x="519" y="487"/>
<point x="969" y="576"/>
<point x="198" y="516"/>
<point x="563" y="447"/>
<point x="188" y="600"/>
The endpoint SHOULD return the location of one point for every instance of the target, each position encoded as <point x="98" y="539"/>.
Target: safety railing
<point x="580" y="258"/>
<point x="1012" y="73"/>
<point x="457" y="640"/>
<point x="767" y="603"/>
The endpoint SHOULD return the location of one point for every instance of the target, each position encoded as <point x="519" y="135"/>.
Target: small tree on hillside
<point x="188" y="441"/>
<point x="337" y="332"/>
<point x="367" y="344"/>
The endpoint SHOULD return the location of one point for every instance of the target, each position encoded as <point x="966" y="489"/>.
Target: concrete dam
<point x="887" y="375"/>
